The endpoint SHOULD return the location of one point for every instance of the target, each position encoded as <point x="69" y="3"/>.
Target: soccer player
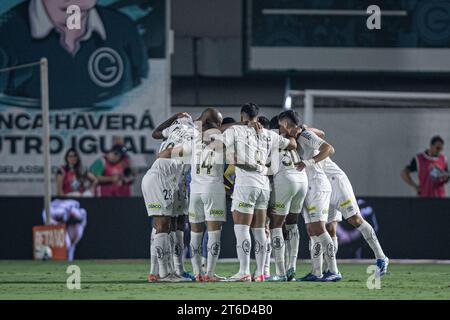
<point x="313" y="150"/>
<point x="207" y="201"/>
<point x="252" y="190"/>
<point x="289" y="192"/>
<point x="343" y="203"/>
<point x="159" y="186"/>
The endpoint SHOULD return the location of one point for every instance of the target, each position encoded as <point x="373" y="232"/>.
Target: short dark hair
<point x="264" y="122"/>
<point x="227" y="120"/>
<point x="274" y="123"/>
<point x="250" y="109"/>
<point x="291" y="115"/>
<point x="436" y="139"/>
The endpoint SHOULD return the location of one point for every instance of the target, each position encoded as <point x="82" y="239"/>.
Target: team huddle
<point x="282" y="169"/>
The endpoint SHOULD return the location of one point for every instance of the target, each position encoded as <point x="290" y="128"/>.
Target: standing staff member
<point x="432" y="170"/>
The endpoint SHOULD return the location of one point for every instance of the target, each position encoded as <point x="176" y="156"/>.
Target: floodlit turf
<point x="105" y="279"/>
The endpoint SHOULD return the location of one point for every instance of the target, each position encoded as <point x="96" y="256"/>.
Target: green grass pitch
<point x="126" y="279"/>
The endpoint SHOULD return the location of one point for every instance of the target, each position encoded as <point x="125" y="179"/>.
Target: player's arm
<point x="318" y="132"/>
<point x="312" y="140"/>
<point x="171" y="153"/>
<point x="406" y="175"/>
<point x="158" y="132"/>
<point x="256" y="125"/>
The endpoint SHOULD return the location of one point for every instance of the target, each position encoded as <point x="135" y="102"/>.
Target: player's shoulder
<point x="308" y="135"/>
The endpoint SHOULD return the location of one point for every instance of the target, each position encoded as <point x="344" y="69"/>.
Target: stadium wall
<point x="118" y="228"/>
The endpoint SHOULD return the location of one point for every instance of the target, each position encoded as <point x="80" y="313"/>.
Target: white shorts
<point x="158" y="194"/>
<point x="316" y="206"/>
<point x="247" y="199"/>
<point x="343" y="201"/>
<point x="207" y="207"/>
<point x="288" y="197"/>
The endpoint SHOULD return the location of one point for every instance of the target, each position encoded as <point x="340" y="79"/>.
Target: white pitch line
<point x="331" y="12"/>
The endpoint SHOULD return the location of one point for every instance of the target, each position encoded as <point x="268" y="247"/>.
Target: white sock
<point x="315" y="249"/>
<point x="213" y="251"/>
<point x="259" y="234"/>
<point x="162" y="250"/>
<point x="178" y="252"/>
<point x="172" y="239"/>
<point x="328" y="251"/>
<point x="294" y="239"/>
<point x="196" y="252"/>
<point x="268" y="254"/>
<point x="243" y="247"/>
<point x="369" y="234"/>
<point x="278" y="250"/>
<point x="153" y="259"/>
<point x="204" y="264"/>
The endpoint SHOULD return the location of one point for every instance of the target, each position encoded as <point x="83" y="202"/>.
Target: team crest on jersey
<point x="311" y="209"/>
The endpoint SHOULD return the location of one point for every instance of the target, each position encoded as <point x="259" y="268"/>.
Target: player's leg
<point x="317" y="204"/>
<point x="281" y="202"/>
<point x="331" y="229"/>
<point x="159" y="203"/>
<point x="372" y="240"/>
<point x="268" y="252"/>
<point x="292" y="228"/>
<point x="351" y="212"/>
<point x="197" y="221"/>
<point x="292" y="244"/>
<point x="215" y="213"/>
<point x="153" y="258"/>
<point x="243" y="208"/>
<point x="179" y="247"/>
<point x="162" y="225"/>
<point x="259" y="232"/>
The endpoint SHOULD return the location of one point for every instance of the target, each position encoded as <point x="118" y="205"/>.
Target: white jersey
<point x="309" y="144"/>
<point x="331" y="169"/>
<point x="179" y="132"/>
<point x="253" y="149"/>
<point x="207" y="164"/>
<point x="288" y="160"/>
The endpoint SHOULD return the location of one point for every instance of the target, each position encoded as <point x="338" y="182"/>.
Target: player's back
<point x="252" y="149"/>
<point x="178" y="133"/>
<point x="309" y="144"/>
<point x="207" y="165"/>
